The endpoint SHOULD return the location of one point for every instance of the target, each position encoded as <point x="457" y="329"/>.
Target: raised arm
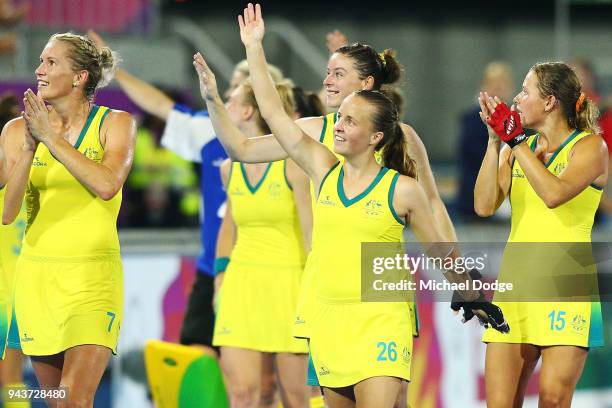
<point x="148" y="98"/>
<point x="494" y="177"/>
<point x="314" y="158"/>
<point x="237" y="145"/>
<point x="117" y="135"/>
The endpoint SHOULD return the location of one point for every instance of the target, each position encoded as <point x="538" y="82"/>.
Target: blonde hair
<point x="285" y="91"/>
<point x="275" y="72"/>
<point x="99" y="63"/>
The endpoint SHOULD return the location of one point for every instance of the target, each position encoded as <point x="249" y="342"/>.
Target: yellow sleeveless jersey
<point x="547" y="323"/>
<point x="268" y="227"/>
<point x="327" y="139"/>
<point x="342" y="224"/>
<point x="65" y="219"/>
<point x="532" y="221"/>
<point x="327" y="133"/>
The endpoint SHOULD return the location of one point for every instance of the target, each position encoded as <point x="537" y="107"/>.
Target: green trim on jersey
<point x="253" y="189"/>
<point x="534" y="143"/>
<point x="91" y="116"/>
<point x="325" y="123"/>
<point x="102" y="119"/>
<point x="569" y="139"/>
<point x="391" y="192"/>
<point x="348" y="202"/>
<point x="285" y="174"/>
<point x="325" y="177"/>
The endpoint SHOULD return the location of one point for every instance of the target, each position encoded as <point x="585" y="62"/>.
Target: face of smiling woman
<point x="55" y="75"/>
<point x="341" y="80"/>
<point x="353" y="133"/>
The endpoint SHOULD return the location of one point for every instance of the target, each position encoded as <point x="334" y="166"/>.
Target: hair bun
<point x="391" y="69"/>
<point x="108" y="60"/>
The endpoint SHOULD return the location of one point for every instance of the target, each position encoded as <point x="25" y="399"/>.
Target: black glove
<point x="495" y="317"/>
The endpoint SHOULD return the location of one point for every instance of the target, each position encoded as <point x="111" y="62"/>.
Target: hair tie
<point x="382" y="58"/>
<point x="580" y="102"/>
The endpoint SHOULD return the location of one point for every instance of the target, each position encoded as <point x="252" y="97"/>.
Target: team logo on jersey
<point x="236" y="192"/>
<point x="559" y="167"/>
<point x="92" y="154"/>
<point x="517" y="173"/>
<point x="323" y="371"/>
<point x="38" y="163"/>
<point x="223" y="330"/>
<point x="299" y="320"/>
<point x="406" y="355"/>
<point x="327" y="200"/>
<point x="26" y="338"/>
<point x="274" y="189"/>
<point x="373" y="208"/>
<point x="578" y="324"/>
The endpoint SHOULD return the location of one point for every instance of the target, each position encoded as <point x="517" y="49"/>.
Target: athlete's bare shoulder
<point x="13" y="132"/>
<point x="410" y="134"/>
<point x="416" y="148"/>
<point x="15" y="124"/>
<point x="312" y="126"/>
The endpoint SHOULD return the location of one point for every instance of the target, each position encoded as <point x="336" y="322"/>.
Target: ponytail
<point x="395" y="155"/>
<point x="392" y="147"/>
<point x="586" y="117"/>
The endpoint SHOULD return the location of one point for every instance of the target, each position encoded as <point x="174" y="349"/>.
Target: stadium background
<point x="443" y="47"/>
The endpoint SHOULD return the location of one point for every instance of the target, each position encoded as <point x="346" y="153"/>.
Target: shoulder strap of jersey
<point x="328" y="122"/>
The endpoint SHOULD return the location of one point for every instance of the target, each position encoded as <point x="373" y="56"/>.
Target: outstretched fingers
<point x="258" y="12"/>
<point x="485" y="114"/>
<point x="251" y="11"/>
<point x="200" y="64"/>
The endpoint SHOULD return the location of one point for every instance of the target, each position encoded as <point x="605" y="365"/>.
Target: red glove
<point x="507" y="124"/>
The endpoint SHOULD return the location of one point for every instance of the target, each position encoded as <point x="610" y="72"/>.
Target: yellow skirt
<point x="61" y="303"/>
<point x="351" y="342"/>
<point x="256" y="309"/>
<point x="305" y="301"/>
<point x="550" y="324"/>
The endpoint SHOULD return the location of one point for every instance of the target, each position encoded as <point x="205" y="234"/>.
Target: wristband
<point x="517" y="140"/>
<point x="221" y="265"/>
